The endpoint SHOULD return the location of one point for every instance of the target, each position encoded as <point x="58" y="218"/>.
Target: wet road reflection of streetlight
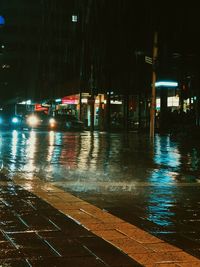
<point x="14" y="148"/>
<point x="113" y="160"/>
<point x="87" y="159"/>
<point x="167" y="158"/>
<point x="14" y="143"/>
<point x="143" y="184"/>
<point x="69" y="151"/>
<point x="51" y="146"/>
<point x="30" y="153"/>
<point x="166" y="152"/>
<point x="163" y="182"/>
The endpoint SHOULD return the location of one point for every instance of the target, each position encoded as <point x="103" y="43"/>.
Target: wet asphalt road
<point x="155" y="187"/>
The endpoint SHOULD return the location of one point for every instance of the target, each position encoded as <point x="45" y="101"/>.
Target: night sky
<point x="50" y="56"/>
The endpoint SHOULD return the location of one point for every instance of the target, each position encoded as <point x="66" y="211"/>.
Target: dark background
<point x="50" y="56"/>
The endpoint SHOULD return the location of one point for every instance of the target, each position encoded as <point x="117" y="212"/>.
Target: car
<point x="38" y="120"/>
<point x="66" y="122"/>
<point x="10" y="121"/>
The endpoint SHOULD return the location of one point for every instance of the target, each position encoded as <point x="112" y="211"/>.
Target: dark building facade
<point x="53" y="48"/>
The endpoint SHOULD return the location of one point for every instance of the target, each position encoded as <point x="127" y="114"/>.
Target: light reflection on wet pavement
<point x="154" y="187"/>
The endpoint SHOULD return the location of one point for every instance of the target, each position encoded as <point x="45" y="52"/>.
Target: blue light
<point x="2" y="21"/>
<point x="15" y="120"/>
<point x="1" y="120"/>
<point x="166" y="84"/>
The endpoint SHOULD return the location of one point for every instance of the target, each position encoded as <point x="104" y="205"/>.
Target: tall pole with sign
<point x="153" y="92"/>
<point x="92" y="100"/>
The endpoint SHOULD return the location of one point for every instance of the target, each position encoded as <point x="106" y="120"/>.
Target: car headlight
<point x="52" y="122"/>
<point x="33" y="120"/>
<point x="15" y="120"/>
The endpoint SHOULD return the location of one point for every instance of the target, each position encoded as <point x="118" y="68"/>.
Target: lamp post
<point x="92" y="100"/>
<point x="153" y="92"/>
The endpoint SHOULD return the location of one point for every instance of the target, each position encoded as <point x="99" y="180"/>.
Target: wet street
<point x="155" y="187"/>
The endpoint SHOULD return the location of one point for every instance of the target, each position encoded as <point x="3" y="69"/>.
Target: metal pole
<point x="153" y="92"/>
<point x="80" y="105"/>
<point x="92" y="101"/>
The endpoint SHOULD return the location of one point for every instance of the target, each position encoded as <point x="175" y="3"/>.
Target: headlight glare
<point x="15" y="120"/>
<point x="32" y="120"/>
<point x="52" y="121"/>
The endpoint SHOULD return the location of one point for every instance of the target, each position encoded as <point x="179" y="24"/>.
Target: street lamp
<point x="153" y="92"/>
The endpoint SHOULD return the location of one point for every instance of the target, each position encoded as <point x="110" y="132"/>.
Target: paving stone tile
<point x="69" y="227"/>
<point x="37" y="222"/>
<point x="103" y="226"/>
<point x="80" y="217"/>
<point x="65" y="261"/>
<point x="130" y="246"/>
<point x="140" y="235"/>
<point x="110" y="255"/>
<point x="39" y="204"/>
<point x="72" y="233"/>
<point x="6" y="245"/>
<point x="10" y="254"/>
<point x="36" y="252"/>
<point x="78" y="214"/>
<point x="162" y="247"/>
<point x="109" y="234"/>
<point x="13" y="263"/>
<point x="64" y="245"/>
<point x="193" y="264"/>
<point x="169" y="257"/>
<point x="163" y="265"/>
<point x="29" y="244"/>
<point x="24" y="238"/>
<point x="106" y="252"/>
<point x="2" y="237"/>
<point x="12" y="224"/>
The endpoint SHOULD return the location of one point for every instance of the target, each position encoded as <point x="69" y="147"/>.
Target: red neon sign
<point x="39" y="107"/>
<point x="73" y="99"/>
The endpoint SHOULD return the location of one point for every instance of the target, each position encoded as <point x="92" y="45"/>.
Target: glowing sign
<point x="74" y="18"/>
<point x="39" y="107"/>
<point x="73" y="99"/>
<point x="166" y="84"/>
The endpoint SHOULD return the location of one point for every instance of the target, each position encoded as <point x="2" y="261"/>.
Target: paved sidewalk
<point x="33" y="233"/>
<point x="41" y="225"/>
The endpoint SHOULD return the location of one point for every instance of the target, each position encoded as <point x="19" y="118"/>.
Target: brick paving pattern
<point x="139" y="245"/>
<point x="33" y="233"/>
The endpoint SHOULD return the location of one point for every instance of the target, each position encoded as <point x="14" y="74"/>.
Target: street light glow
<point x="166" y="84"/>
<point x="2" y="20"/>
<point x="74" y="18"/>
